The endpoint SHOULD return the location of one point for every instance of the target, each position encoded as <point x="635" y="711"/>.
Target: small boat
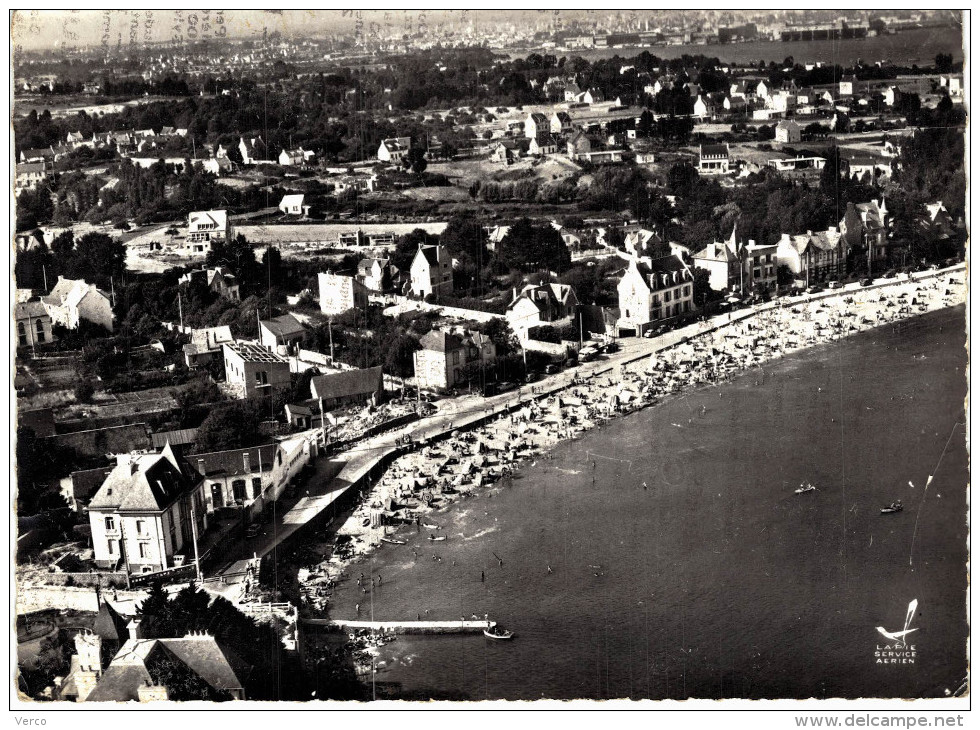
<point x="437" y="539"/>
<point x="392" y="541"/>
<point x="498" y="633"/>
<point x="804" y="488"/>
<point x="427" y="526"/>
<point x="892" y="508"/>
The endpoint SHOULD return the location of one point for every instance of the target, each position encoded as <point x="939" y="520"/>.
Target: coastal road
<point x="336" y="475"/>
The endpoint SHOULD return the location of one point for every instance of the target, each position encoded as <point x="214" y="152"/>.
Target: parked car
<point x="552" y="368"/>
<point x="815" y="289"/>
<point x="866" y="282"/>
<point x="890" y="274"/>
<point x="612" y="347"/>
<point x="834" y="284"/>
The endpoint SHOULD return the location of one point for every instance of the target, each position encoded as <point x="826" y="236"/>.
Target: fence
<point x="86" y="580"/>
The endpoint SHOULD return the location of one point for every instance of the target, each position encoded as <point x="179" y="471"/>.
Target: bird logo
<point x="897" y="636"/>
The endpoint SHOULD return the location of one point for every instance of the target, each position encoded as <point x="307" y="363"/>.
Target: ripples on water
<point x="716" y="581"/>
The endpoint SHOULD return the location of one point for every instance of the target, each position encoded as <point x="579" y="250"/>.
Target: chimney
<point x="134" y="629"/>
<point x="88" y="646"/>
<point x="247" y="460"/>
<point x="200" y="467"/>
<point x="152" y="693"/>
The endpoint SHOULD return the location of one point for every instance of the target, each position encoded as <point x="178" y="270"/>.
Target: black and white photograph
<point x="492" y="359"/>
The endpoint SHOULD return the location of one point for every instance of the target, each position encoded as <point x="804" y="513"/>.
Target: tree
<point x="97" y="258"/>
<point x="232" y="426"/>
<point x="33" y="207"/>
<point x="414" y="160"/>
<point x="399" y="358"/>
<point x="529" y="247"/>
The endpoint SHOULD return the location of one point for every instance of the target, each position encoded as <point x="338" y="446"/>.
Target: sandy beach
<point x="429" y="479"/>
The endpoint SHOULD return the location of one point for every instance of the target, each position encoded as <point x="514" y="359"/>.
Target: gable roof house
<point x="813" y="255"/>
<point x="253" y="150"/>
<point x="205" y="345"/>
<point x="535" y="125"/>
<point x="431" y="272"/>
<point x="219" y="280"/>
<point x="281" y="333"/>
<point x="73" y="300"/>
<point x="141" y="517"/>
<point x="348" y="387"/>
<point x="104" y="670"/>
<point x="394" y="149"/>
<point x="293" y="204"/>
<point x="714" y="159"/>
<point x="452" y="359"/>
<point x="206" y="227"/>
<point x="537" y="305"/>
<point x="561" y="123"/>
<point x="653" y="290"/>
<point x="865" y="227"/>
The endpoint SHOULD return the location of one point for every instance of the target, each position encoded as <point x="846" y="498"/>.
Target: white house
<point x="252" y="149"/>
<point x="74" y="300"/>
<point x="714" y="159"/>
<point x="394" y="149"/>
<point x="653" y="290"/>
<point x="147" y="513"/>
<point x="701" y="108"/>
<point x="431" y="272"/>
<point x="561" y="123"/>
<point x="206" y="227"/>
<point x="33" y="324"/>
<point x="339" y="293"/>
<point x="537" y="305"/>
<point x="293" y="204"/>
<point x="535" y="125"/>
<point x="788" y="131"/>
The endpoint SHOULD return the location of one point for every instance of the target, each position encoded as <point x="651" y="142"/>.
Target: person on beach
<point x="550" y="571"/>
<point x="483" y="577"/>
<point x="357" y="608"/>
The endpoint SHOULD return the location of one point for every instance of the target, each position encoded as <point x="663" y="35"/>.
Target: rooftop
<point x="250" y="352"/>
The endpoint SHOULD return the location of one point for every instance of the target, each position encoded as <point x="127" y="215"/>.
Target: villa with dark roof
<point x="451" y="359"/>
<point x="283" y="331"/>
<point x="714" y="159"/>
<point x="141" y="517"/>
<point x="348" y="387"/>
<point x="813" y="255"/>
<point x="114" y="663"/>
<point x="537" y="305"/>
<point x="653" y="290"/>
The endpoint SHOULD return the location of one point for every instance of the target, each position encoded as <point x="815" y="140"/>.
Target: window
<point x="456" y="358"/>
<point x="40" y="330"/>
<point x="238" y="490"/>
<point x="667" y="296"/>
<point x="110" y="524"/>
<point x="256" y="487"/>
<point x="22" y="336"/>
<point x="112" y="547"/>
<point x="687" y="291"/>
<point x="261" y="377"/>
<point x="140" y="527"/>
<point x="143" y="550"/>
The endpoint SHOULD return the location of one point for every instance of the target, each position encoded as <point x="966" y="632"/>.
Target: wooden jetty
<point x="402" y="627"/>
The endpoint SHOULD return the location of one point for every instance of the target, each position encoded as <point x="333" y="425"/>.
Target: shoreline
<point x="431" y="479"/>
